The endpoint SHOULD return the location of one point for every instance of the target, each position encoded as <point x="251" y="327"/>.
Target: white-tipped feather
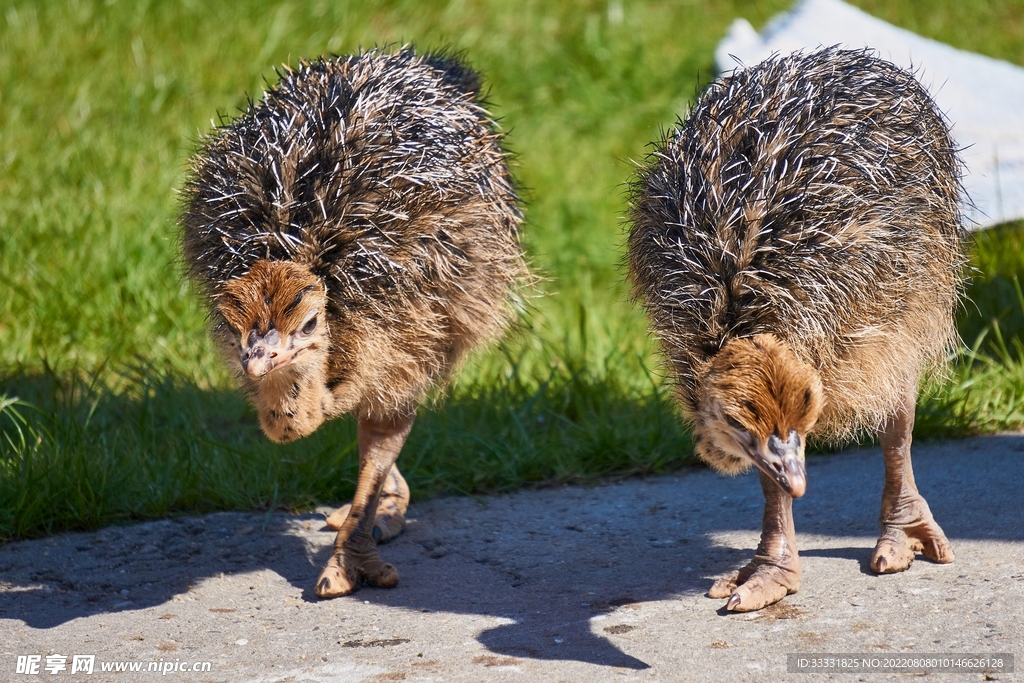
<point x="814" y="197"/>
<point x="382" y="175"/>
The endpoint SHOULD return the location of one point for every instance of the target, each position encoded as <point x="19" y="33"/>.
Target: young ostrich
<point x="355" y="234"/>
<point x="796" y="243"/>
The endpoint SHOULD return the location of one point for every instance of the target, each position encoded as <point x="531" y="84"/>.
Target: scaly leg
<point x="907" y="523"/>
<point x="774" y="572"/>
<point x="390" y="519"/>
<point x="355" y="557"/>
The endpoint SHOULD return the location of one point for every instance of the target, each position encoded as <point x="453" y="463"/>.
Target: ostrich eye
<point x="734" y="423"/>
<point x="309" y="326"/>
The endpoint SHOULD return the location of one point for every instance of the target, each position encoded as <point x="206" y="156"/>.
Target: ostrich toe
<point x="358" y="562"/>
<point x="899" y="541"/>
<point x="759" y="584"/>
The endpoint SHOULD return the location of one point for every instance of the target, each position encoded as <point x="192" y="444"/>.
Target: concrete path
<point x="572" y="584"/>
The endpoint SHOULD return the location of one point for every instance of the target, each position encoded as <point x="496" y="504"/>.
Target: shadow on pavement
<point x="550" y="562"/>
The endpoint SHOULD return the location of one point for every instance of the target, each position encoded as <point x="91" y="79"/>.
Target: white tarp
<point x="983" y="97"/>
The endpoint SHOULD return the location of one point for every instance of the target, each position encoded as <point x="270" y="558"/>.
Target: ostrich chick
<point x="796" y="243"/>
<point x="355" y="234"/>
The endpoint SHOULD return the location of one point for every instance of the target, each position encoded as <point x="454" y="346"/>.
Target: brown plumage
<point x="796" y="243"/>
<point x="355" y="234"/>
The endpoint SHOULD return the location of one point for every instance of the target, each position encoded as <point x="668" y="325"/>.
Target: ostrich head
<point x="277" y="318"/>
<point x="757" y="403"/>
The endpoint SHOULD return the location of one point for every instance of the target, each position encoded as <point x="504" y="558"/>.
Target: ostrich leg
<point x="355" y="557"/>
<point x="390" y="519"/>
<point x="774" y="572"/>
<point x="907" y="523"/>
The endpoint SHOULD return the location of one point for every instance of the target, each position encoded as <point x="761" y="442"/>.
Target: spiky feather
<point x="383" y="174"/>
<point x="814" y="197"/>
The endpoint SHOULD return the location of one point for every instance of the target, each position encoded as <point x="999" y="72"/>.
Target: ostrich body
<point x="355" y="234"/>
<point x="796" y="243"/>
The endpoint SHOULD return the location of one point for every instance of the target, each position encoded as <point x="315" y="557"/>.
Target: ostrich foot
<point x="390" y="518"/>
<point x="909" y="529"/>
<point x="358" y="562"/>
<point x="774" y="572"/>
<point x="355" y="559"/>
<point x="759" y="584"/>
<point x="907" y="523"/>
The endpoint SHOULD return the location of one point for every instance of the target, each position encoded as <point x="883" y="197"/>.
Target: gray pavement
<point x="572" y="584"/>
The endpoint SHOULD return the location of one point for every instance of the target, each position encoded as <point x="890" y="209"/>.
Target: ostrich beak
<point x="783" y="461"/>
<point x="260" y="355"/>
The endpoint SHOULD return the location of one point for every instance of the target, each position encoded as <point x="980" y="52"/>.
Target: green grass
<point x="117" y="407"/>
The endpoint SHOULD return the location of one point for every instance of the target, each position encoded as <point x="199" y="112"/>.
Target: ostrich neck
<point x="291" y="402"/>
